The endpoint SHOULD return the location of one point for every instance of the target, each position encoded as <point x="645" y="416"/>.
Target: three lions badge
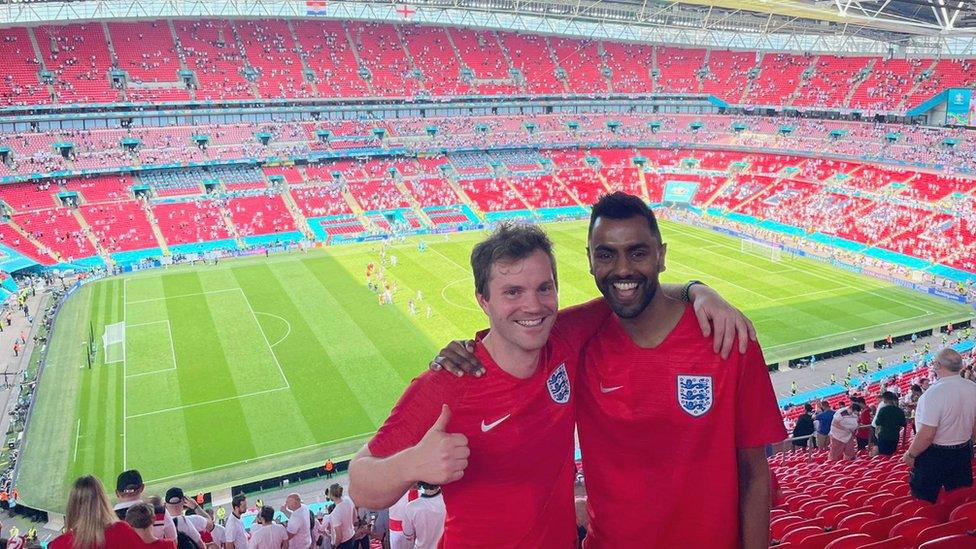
<point x="695" y="394"/>
<point x="558" y="384"/>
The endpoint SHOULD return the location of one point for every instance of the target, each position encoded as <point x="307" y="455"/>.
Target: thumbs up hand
<point x="440" y="457"/>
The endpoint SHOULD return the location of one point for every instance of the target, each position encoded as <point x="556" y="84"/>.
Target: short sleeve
<point x="928" y="412"/>
<point x="757" y="420"/>
<point x="579" y="323"/>
<point x="411" y="418"/>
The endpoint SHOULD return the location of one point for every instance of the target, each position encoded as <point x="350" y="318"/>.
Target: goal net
<point x="772" y="253"/>
<point x="113" y="342"/>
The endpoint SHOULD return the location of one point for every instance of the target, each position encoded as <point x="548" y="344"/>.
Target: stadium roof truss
<point x="883" y="27"/>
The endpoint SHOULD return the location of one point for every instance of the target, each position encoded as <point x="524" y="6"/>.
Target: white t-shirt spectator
<point x="300" y="528"/>
<point x="219" y="535"/>
<point x="343" y="521"/>
<point x="200" y="523"/>
<point x="235" y="532"/>
<point x="950" y="406"/>
<point x="269" y="536"/>
<point x="423" y="521"/>
<point x="183" y="524"/>
<point x="842" y="427"/>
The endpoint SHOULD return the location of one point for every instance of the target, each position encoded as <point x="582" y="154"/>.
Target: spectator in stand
<point x="271" y="535"/>
<point x="128" y="490"/>
<point x="423" y="520"/>
<point x="236" y="536"/>
<point x="822" y="421"/>
<point x="863" y="434"/>
<point x="397" y="539"/>
<point x="90" y="522"/>
<point x="299" y="522"/>
<point x="842" y="429"/>
<point x="941" y="453"/>
<point x="341" y="519"/>
<point x="804" y="428"/>
<point x="888" y="424"/>
<point x="141" y="517"/>
<point x="176" y="501"/>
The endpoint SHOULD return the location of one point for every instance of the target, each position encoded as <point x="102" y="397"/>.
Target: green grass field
<point x="260" y="366"/>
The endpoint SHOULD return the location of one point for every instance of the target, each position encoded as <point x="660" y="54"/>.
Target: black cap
<point x="174" y="495"/>
<point x="128" y="481"/>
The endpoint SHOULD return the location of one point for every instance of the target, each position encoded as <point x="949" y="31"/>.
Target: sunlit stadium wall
<point x="494" y="16"/>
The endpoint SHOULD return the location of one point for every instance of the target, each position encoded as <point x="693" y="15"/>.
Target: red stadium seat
<point x="966" y="511"/>
<point x="942" y="530"/>
<point x="897" y="542"/>
<point x="909" y="508"/>
<point x="939" y="512"/>
<point x="855" y="522"/>
<point x="911" y="528"/>
<point x="957" y="497"/>
<point x="877" y="500"/>
<point x="820" y="541"/>
<point x="830" y="513"/>
<point x="783" y="525"/>
<point x="879" y="528"/>
<point x="811" y="507"/>
<point x="889" y="506"/>
<point x="797" y="535"/>
<point x="959" y="541"/>
<point x="850" y="541"/>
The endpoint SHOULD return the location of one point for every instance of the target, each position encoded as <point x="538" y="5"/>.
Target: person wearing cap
<point x="128" y="492"/>
<point x="299" y="522"/>
<point x="176" y="501"/>
<point x="423" y="519"/>
<point x="270" y="535"/>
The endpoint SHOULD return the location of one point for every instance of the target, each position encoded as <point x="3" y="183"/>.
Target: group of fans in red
<point x="672" y="426"/>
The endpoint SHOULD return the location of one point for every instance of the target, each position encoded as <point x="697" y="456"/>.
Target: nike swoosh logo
<point x="606" y="390"/>
<point x="488" y="427"/>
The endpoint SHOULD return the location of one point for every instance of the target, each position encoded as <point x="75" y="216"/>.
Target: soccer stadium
<point x="233" y="233"/>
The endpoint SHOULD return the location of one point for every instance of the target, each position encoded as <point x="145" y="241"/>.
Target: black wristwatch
<point x="686" y="290"/>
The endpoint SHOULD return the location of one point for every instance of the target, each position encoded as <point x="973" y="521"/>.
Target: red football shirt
<point x="659" y="429"/>
<point x="117" y="536"/>
<point x="518" y="488"/>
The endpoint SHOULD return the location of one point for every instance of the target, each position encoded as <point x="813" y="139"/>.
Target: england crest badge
<point x="558" y="384"/>
<point x="695" y="394"/>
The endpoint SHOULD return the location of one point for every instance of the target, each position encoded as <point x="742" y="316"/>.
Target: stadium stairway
<point x="856" y="83"/>
<point x="412" y="200"/>
<point x="37" y="243"/>
<point x="465" y="199"/>
<point x="730" y="180"/>
<point x="86" y="228"/>
<point x="305" y="70"/>
<point x="231" y="228"/>
<point x="359" y="60"/>
<point x="643" y="183"/>
<point x="777" y="180"/>
<point x="157" y="232"/>
<point x="179" y="55"/>
<point x="40" y="58"/>
<point x="930" y="70"/>
<point x="804" y="80"/>
<point x="517" y="193"/>
<point x="567" y="190"/>
<point x="355" y="206"/>
<point x="751" y="78"/>
<point x="296" y="213"/>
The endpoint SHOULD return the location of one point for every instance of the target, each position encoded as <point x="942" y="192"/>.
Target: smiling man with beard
<point x="672" y="434"/>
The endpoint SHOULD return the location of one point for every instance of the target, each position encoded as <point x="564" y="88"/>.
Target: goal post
<point x="113" y="342"/>
<point x="754" y="247"/>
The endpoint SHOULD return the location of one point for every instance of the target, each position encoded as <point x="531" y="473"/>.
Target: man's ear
<point x="482" y="301"/>
<point x="589" y="260"/>
<point x="664" y="251"/>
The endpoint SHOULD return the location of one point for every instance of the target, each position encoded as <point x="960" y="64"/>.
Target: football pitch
<point x="260" y="366"/>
